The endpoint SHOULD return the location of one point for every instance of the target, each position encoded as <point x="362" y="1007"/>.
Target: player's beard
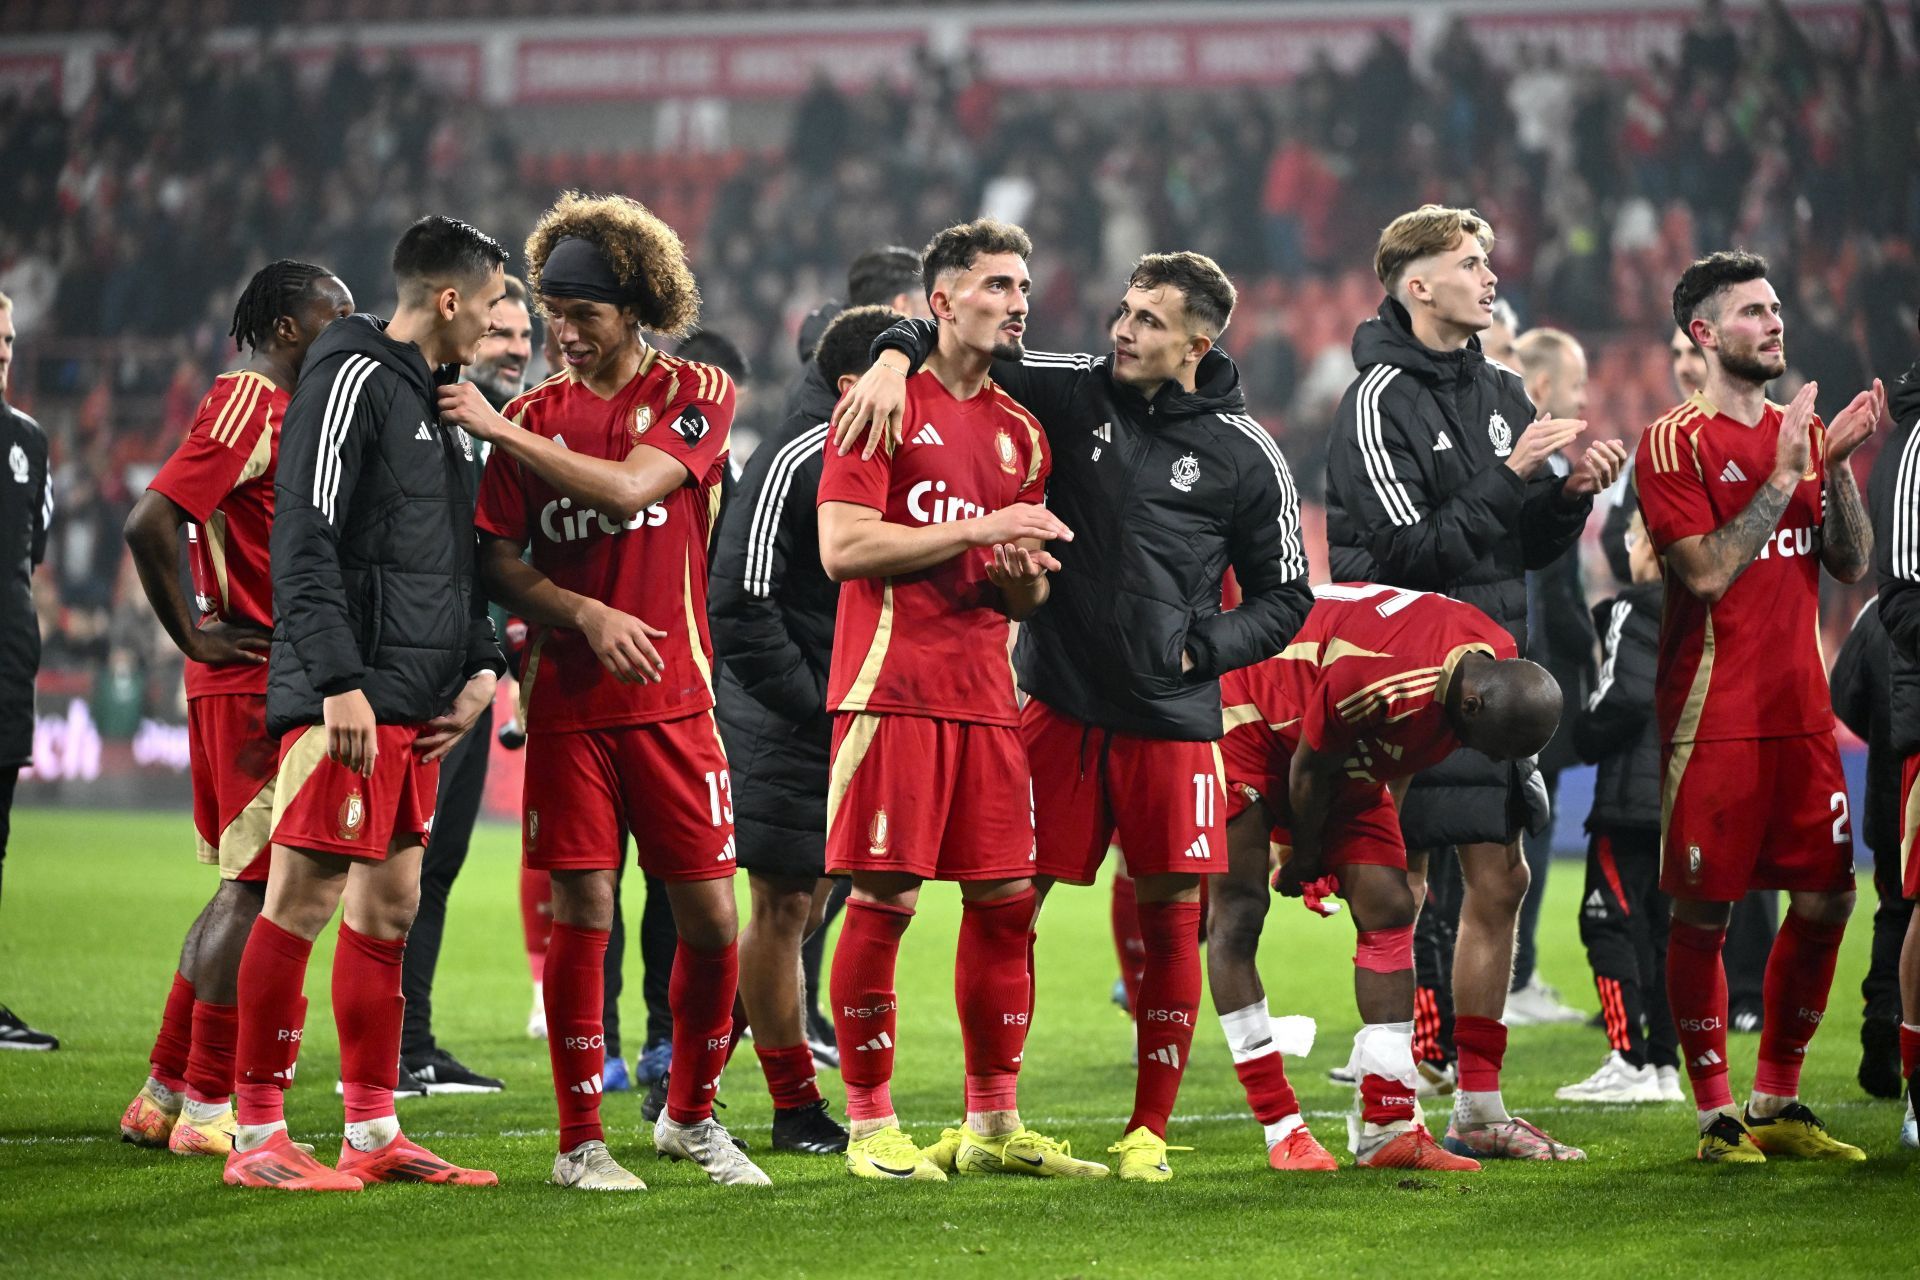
<point x="1751" y="366"/>
<point x="497" y="389"/>
<point x="1009" y="349"/>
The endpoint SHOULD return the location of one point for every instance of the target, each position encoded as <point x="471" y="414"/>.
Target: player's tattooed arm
<point x="1710" y="563"/>
<point x="1847" y="540"/>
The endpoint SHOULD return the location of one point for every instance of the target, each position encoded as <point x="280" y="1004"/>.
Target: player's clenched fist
<point x="624" y="644"/>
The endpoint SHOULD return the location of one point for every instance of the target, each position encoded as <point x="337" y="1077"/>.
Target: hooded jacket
<point x="374" y="581"/>
<point x="26" y="511"/>
<point x="1616" y="728"/>
<point x="1893" y="499"/>
<point x="1860" y="681"/>
<point x="1163" y="496"/>
<point x="1417" y="491"/>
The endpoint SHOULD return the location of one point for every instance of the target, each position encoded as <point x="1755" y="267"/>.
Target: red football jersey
<point x="934" y="643"/>
<point x="1366" y="676"/>
<point x="653" y="566"/>
<point x="222" y="476"/>
<point x="1748" y="666"/>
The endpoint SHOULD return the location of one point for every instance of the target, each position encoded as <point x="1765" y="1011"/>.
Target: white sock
<point x="1765" y="1106"/>
<point x="1249" y="1031"/>
<point x="202" y="1112"/>
<point x="371" y="1135"/>
<point x="858" y="1129"/>
<point x="993" y="1124"/>
<point x="249" y="1136"/>
<point x="1277" y="1131"/>
<point x="1479" y="1108"/>
<point x="166" y="1099"/>
<point x="1709" y="1115"/>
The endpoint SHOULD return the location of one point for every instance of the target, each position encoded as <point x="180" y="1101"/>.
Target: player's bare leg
<point x="1237" y="906"/>
<point x="1496" y="880"/>
<point x="786" y="911"/>
<point x="706" y="974"/>
<point x="1910" y="1025"/>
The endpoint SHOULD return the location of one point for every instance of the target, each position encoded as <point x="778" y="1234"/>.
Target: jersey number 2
<point x="1837" y="803"/>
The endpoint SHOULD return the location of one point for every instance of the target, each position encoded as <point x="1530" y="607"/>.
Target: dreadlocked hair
<point x="645" y="253"/>
<point x="275" y="290"/>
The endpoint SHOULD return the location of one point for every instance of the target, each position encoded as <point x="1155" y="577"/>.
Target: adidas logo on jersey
<point x="1104" y="432"/>
<point x="1442" y="443"/>
<point x="1167" y="1055"/>
<point x="590" y="1085"/>
<point x="927" y="435"/>
<point x="881" y="1041"/>
<point x="424" y="433"/>
<point x="1200" y="848"/>
<point x="1732" y="473"/>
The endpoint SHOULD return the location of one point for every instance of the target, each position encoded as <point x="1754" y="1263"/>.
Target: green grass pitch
<point x="96" y="905"/>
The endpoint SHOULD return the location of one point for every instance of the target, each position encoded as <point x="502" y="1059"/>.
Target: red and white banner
<point x="730" y="66"/>
<point x="1619" y="40"/>
<point x="25" y="76"/>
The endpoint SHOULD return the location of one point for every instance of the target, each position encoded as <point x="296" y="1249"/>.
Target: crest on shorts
<point x="1186" y="473"/>
<point x="353" y="815"/>
<point x="1003" y="446"/>
<point x="533" y="827"/>
<point x="642" y="419"/>
<point x="1500" y="433"/>
<point x="1693" y="860"/>
<point x="17" y="459"/>
<point x="877" y="834"/>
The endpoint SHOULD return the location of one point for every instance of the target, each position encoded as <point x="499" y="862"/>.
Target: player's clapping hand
<point x="462" y="404"/>
<point x="1543" y="438"/>
<point x="870" y="413"/>
<point x="1793" y="450"/>
<point x="353" y="738"/>
<point x="1856" y="422"/>
<point x="1021" y="522"/>
<point x="1599" y="467"/>
<point x="220" y="644"/>
<point x="446" y="730"/>
<point x="624" y="644"/>
<point x="1014" y="566"/>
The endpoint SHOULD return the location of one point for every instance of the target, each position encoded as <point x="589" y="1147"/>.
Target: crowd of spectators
<point x="135" y="220"/>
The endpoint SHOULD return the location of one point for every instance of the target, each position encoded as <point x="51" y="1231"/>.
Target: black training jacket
<point x="1893" y="498"/>
<point x="1616" y="728"/>
<point x="770" y="610"/>
<point x="26" y="511"/>
<point x="374" y="584"/>
<point x="1163" y="496"/>
<point x="1860" y="680"/>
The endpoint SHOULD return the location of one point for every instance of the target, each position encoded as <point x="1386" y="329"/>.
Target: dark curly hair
<point x="645" y="253"/>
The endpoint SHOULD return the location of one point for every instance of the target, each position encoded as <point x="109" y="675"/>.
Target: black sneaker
<point x="16" y="1034"/>
<point x="822" y="1042"/>
<point x="405" y="1084"/>
<point x="656" y="1100"/>
<point x="1746" y="1019"/>
<point x="811" y="1130"/>
<point x="1880" y="1058"/>
<point x="441" y="1072"/>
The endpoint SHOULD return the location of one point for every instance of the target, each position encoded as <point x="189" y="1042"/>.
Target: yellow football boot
<point x="1798" y="1134"/>
<point x="149" y="1119"/>
<point x="1143" y="1156"/>
<point x="1727" y="1141"/>
<point x="942" y="1154"/>
<point x="213" y="1137"/>
<point x="889" y="1155"/>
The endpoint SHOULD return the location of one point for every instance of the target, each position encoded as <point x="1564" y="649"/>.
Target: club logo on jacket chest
<point x="17" y="459"/>
<point x="1186" y="473"/>
<point x="1500" y="433"/>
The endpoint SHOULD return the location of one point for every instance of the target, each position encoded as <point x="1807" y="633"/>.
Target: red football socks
<point x="1169" y="1000"/>
<point x="1268" y="1091"/>
<point x="1384" y="1101"/>
<point x="1482" y="1044"/>
<point x="1794" y="994"/>
<point x="273" y="1016"/>
<point x="700" y="994"/>
<point x="1909" y="1050"/>
<point x="210" y="1064"/>
<point x="992" y="991"/>
<point x="574" y="995"/>
<point x="536" y="918"/>
<point x="865" y="1005"/>
<point x="174" y="1045"/>
<point x="367" y="1009"/>
<point x="790" y="1075"/>
<point x="1697" y="992"/>
<point x="1127" y="943"/>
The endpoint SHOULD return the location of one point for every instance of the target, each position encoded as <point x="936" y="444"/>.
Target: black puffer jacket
<point x="1418" y="496"/>
<point x="1616" y="729"/>
<point x="1163" y="496"/>
<point x="771" y="610"/>
<point x="373" y="541"/>
<point x="1893" y="498"/>
<point x="1860" y="680"/>
<point x="26" y="510"/>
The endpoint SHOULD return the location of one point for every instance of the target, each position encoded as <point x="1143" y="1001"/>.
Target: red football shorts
<point x="937" y="799"/>
<point x="1165" y="799"/>
<point x="1363" y="827"/>
<point x="665" y="782"/>
<point x="1754" y="813"/>
<point x="233" y="761"/>
<point x="1910" y="828"/>
<point x="322" y="805"/>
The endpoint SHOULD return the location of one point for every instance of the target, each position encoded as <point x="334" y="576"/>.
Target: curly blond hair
<point x="645" y="253"/>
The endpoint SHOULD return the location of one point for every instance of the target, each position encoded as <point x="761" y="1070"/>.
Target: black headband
<point x="576" y="268"/>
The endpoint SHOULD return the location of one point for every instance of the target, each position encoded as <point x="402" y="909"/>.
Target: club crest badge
<point x="642" y="419"/>
<point x="353" y="815"/>
<point x="17" y="459"/>
<point x="877" y="834"/>
<point x="533" y="827"/>
<point x="1003" y="447"/>
<point x="1500" y="433"/>
<point x="1693" y="860"/>
<point x="1186" y="473"/>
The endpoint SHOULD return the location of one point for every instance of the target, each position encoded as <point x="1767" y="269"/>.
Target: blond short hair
<point x="6" y="303"/>
<point x="1544" y="350"/>
<point x="1430" y="229"/>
